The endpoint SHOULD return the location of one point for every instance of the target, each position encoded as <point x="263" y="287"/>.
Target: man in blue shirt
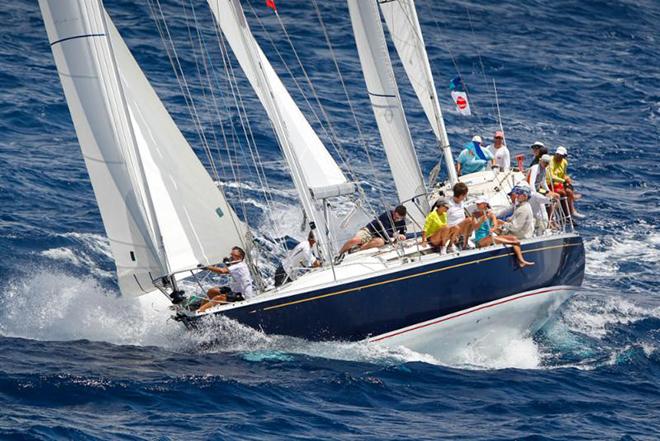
<point x="473" y="158"/>
<point x="390" y="225"/>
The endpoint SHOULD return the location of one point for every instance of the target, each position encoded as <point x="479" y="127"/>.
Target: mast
<point x="314" y="173"/>
<point x="388" y="110"/>
<point x="405" y="30"/>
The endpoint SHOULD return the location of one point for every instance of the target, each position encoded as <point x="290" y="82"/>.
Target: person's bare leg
<point x="485" y="242"/>
<point x="350" y="244"/>
<point x="571" y="199"/>
<point x="441" y="237"/>
<point x="373" y="243"/>
<point x="466" y="230"/>
<point x="521" y="260"/>
<point x="216" y="300"/>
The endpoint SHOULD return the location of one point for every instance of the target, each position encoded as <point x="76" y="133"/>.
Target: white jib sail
<point x="129" y="143"/>
<point x="386" y="104"/>
<point x="403" y="24"/>
<point x="312" y="168"/>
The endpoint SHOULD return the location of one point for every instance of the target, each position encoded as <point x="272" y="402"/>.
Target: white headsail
<point x="403" y="24"/>
<point x="386" y="104"/>
<point x="313" y="170"/>
<point x="161" y="210"/>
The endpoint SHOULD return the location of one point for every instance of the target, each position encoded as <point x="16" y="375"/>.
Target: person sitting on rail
<point x="561" y="182"/>
<point x="301" y="256"/>
<point x="240" y="285"/>
<point x="456" y="219"/>
<point x="390" y="225"/>
<point x="473" y="158"/>
<point x="500" y="152"/>
<point x="436" y="231"/>
<point x="485" y="235"/>
<point x="541" y="195"/>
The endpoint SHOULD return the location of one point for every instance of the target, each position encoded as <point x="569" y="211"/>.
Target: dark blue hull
<point x="380" y="304"/>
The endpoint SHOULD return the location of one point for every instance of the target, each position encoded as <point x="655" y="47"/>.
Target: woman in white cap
<point x="541" y="195"/>
<point x="558" y="177"/>
<point x="538" y="149"/>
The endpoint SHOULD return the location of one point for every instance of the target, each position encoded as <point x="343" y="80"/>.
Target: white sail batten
<point x="387" y="107"/>
<point x="310" y="164"/>
<point x="128" y="141"/>
<point x="406" y="33"/>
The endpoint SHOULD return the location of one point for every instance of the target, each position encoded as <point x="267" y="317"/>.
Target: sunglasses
<point x="498" y="137"/>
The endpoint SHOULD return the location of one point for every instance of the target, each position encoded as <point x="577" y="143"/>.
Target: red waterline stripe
<point x="464" y="313"/>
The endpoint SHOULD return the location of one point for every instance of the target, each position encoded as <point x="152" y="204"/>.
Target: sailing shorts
<point x="365" y="235"/>
<point x="231" y="295"/>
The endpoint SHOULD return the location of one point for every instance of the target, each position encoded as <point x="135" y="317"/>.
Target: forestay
<point x="160" y="208"/>
<point x="403" y="24"/>
<point x="312" y="168"/>
<point x="386" y="104"/>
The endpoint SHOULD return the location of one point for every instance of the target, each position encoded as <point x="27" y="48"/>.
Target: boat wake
<point x="591" y="331"/>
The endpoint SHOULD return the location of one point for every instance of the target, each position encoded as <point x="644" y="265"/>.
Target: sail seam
<point x="62" y="40"/>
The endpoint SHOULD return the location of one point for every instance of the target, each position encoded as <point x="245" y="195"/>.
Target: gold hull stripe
<point x="411" y="276"/>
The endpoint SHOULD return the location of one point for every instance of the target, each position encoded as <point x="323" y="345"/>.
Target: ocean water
<point x="77" y="361"/>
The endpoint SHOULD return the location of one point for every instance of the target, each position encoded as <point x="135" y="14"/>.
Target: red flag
<point x="271" y="4"/>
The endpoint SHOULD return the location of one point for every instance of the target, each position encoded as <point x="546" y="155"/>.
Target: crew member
<point x="300" y="257"/>
<point x="390" y="225"/>
<point x="240" y="285"/>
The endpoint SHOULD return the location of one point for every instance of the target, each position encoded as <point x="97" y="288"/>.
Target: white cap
<point x="477" y="138"/>
<point x="561" y="150"/>
<point x="538" y="144"/>
<point x="546" y="158"/>
<point x="482" y="200"/>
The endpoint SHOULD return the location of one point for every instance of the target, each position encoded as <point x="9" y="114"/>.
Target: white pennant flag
<point x="461" y="100"/>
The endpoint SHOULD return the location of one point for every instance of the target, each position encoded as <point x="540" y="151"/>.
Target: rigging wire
<point x="458" y="71"/>
<point x="181" y="78"/>
<point x="326" y="125"/>
<point x="358" y="126"/>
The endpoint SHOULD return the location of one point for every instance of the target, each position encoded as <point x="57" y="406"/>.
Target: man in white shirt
<point x="456" y="219"/>
<point x="240" y="285"/>
<point x="300" y="257"/>
<point x="500" y="152"/>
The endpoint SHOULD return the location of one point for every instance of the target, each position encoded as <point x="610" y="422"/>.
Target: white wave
<point x="605" y="255"/>
<point x="77" y="258"/>
<point x="220" y="334"/>
<point x="594" y="317"/>
<point x="498" y="351"/>
<point x="55" y="306"/>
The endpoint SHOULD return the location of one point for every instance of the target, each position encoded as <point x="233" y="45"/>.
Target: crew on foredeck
<point x="240" y="284"/>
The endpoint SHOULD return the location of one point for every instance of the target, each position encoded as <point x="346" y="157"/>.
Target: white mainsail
<point x="386" y="104"/>
<point x="160" y="208"/>
<point x="313" y="170"/>
<point x="403" y="24"/>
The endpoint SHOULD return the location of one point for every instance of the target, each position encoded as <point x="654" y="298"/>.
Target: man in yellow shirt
<point x="436" y="230"/>
<point x="559" y="180"/>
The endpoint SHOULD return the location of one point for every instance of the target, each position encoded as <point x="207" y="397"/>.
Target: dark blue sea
<point x="78" y="361"/>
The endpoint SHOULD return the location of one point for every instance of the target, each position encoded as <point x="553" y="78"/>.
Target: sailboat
<point x="165" y="217"/>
